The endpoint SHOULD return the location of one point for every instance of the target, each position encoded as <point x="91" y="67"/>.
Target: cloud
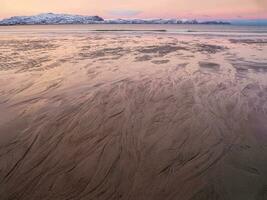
<point x="205" y="16"/>
<point x="124" y="13"/>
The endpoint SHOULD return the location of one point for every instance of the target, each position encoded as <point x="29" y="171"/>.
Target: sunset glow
<point x="206" y="9"/>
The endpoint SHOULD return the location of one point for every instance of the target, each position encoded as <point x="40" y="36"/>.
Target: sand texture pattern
<point x="132" y="116"/>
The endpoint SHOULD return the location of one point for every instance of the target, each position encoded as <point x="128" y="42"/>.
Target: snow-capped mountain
<point x="159" y="21"/>
<point x="148" y="21"/>
<point x="51" y="18"/>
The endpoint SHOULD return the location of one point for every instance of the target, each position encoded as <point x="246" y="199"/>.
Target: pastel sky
<point x="206" y="9"/>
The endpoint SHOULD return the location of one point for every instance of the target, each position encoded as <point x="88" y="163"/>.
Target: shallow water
<point x="86" y="115"/>
<point x="182" y="29"/>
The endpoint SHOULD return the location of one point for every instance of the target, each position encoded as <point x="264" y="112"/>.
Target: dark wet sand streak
<point x="100" y="121"/>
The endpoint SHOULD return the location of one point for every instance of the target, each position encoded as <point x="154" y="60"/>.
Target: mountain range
<point x="51" y="18"/>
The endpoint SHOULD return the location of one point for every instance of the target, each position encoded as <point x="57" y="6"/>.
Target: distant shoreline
<point x="58" y="19"/>
<point x="116" y="24"/>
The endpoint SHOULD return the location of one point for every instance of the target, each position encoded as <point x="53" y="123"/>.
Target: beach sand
<point x="144" y="116"/>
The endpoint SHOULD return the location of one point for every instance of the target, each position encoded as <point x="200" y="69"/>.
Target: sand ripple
<point x="85" y="117"/>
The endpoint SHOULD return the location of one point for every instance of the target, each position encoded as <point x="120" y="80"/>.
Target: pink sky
<point x="217" y="9"/>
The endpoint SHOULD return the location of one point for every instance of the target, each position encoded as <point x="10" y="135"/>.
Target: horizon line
<point x="145" y="18"/>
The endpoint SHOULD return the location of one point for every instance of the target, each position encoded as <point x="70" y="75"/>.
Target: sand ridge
<point x="132" y="116"/>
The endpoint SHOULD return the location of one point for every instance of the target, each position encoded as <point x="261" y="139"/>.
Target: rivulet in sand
<point x="132" y="116"/>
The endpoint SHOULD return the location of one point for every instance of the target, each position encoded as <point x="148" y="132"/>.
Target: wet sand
<point x="132" y="116"/>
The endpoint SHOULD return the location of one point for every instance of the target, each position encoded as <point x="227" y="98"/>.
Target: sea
<point x="183" y="29"/>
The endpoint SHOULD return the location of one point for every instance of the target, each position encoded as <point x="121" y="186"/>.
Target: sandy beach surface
<point x="136" y="116"/>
